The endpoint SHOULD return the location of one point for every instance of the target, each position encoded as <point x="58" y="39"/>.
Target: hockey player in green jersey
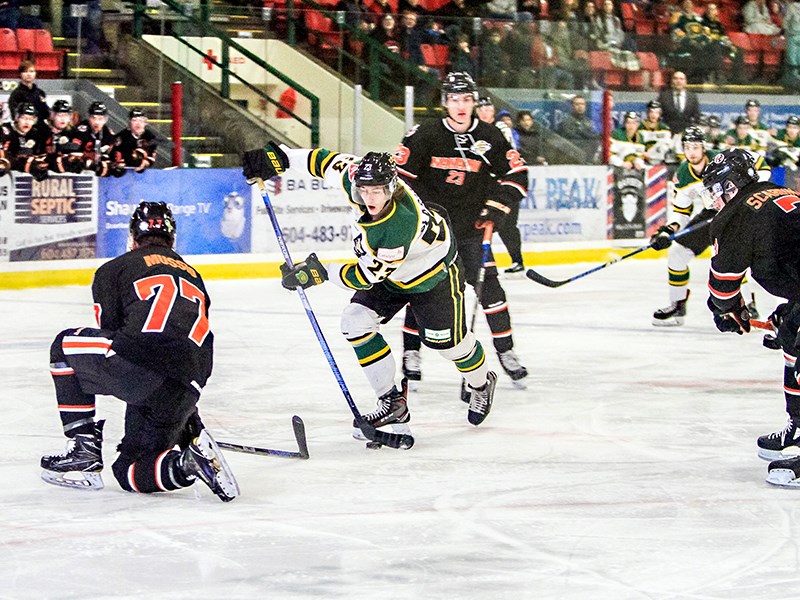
<point x="406" y="255"/>
<point x="686" y="202"/>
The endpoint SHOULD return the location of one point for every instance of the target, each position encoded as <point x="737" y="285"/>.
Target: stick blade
<point x="402" y="441"/>
<point x="300" y="435"/>
<point x="539" y="278"/>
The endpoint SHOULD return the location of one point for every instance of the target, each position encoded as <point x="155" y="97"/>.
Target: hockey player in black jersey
<point x="24" y="143"/>
<point x="154" y="351"/>
<point x="758" y="227"/>
<point x="98" y="143"/>
<point x="136" y="144"/>
<point x="470" y="169"/>
<point x="63" y="144"/>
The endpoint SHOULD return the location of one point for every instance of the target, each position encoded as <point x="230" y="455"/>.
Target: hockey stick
<point x="551" y="283"/>
<point x="393" y="440"/>
<point x="765" y="325"/>
<point x="299" y="436"/>
<point x="487" y="247"/>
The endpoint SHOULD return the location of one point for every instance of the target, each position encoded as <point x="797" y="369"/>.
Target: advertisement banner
<point x="211" y="208"/>
<point x="629" y="214"/>
<point x="53" y="219"/>
<point x="564" y="203"/>
<point x="313" y="217"/>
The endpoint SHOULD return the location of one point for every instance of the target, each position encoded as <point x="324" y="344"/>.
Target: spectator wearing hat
<point x="63" y="144"/>
<point x="504" y="117"/>
<point x="28" y="91"/>
<point x="137" y="144"/>
<point x="627" y="144"/>
<point x="98" y="142"/>
<point x="24" y="144"/>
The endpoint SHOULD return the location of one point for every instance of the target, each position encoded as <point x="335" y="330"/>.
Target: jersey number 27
<point x="166" y="290"/>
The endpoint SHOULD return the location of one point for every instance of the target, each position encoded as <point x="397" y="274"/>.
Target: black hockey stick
<point x="487" y="246"/>
<point x="393" y="440"/>
<point x="299" y="436"/>
<point x="551" y="283"/>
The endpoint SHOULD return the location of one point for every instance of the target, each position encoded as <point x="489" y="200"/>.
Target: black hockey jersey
<point x="157" y="305"/>
<point x="63" y="147"/>
<point x="95" y="146"/>
<point x="760" y="229"/>
<point x="127" y="143"/>
<point x="461" y="171"/>
<point x="19" y="148"/>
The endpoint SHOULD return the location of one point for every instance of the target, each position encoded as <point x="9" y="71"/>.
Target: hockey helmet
<point x="752" y="102"/>
<point x="653" y="104"/>
<point x="485" y="101"/>
<point x="152" y="218"/>
<point x="98" y="108"/>
<point x="793" y="120"/>
<point x="702" y="120"/>
<point x="732" y="168"/>
<point x="136" y="113"/>
<point x="693" y="134"/>
<point x="459" y="82"/>
<point x="26" y="108"/>
<point x="714" y="122"/>
<point x="61" y="106"/>
<point x="631" y="115"/>
<point x="741" y="120"/>
<point x="377" y="168"/>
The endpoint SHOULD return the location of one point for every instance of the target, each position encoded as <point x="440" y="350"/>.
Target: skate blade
<point x="224" y="479"/>
<point x="401" y="428"/>
<point x="790" y="452"/>
<point x="520" y="384"/>
<point x="413" y="385"/>
<point x="783" y="478"/>
<point x="77" y="480"/>
<point x="671" y="322"/>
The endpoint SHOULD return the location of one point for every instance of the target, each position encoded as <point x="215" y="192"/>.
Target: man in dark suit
<point x="680" y="107"/>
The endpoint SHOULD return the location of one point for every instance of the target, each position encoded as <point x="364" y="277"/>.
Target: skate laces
<point x="67" y="451"/>
<point x="479" y="400"/>
<point x="785" y="432"/>
<point x="385" y="403"/>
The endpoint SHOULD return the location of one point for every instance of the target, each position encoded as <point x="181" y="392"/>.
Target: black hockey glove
<point x="264" y="163"/>
<point x="661" y="238"/>
<point x="117" y="169"/>
<point x="38" y="169"/>
<point x="492" y="212"/>
<point x="305" y="274"/>
<point x="73" y="163"/>
<point x="779" y="314"/>
<point x="5" y="166"/>
<point x="736" y="320"/>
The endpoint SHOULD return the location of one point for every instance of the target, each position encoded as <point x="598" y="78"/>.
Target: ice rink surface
<point x="626" y="470"/>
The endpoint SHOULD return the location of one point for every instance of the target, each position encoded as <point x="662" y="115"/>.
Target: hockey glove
<point x="38" y="169"/>
<point x="264" y="163"/>
<point x="5" y="166"/>
<point x="305" y="274"/>
<point x="492" y="212"/>
<point x="117" y="169"/>
<point x="661" y="238"/>
<point x="779" y="314"/>
<point x="73" y="163"/>
<point x="736" y="320"/>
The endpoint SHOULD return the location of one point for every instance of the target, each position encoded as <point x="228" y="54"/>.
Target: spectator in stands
<point x="91" y="26"/>
<point x="461" y="56"/>
<point x="530" y="7"/>
<point x="608" y="28"/>
<point x="24" y="144"/>
<point x="494" y="61"/>
<point x="414" y="6"/>
<point x="500" y="9"/>
<point x="486" y="113"/>
<point x="578" y="129"/>
<point x="411" y="37"/>
<point x="63" y="145"/>
<point x="456" y="17"/>
<point x="586" y="28"/>
<point x="517" y="44"/>
<point x="505" y="117"/>
<point x="791" y="26"/>
<point x="9" y="14"/>
<point x="757" y="18"/>
<point x="137" y="144"/>
<point x="776" y="11"/>
<point x="381" y="8"/>
<point x="680" y="106"/>
<point x="627" y="145"/>
<point x="721" y="46"/>
<point x="561" y="69"/>
<point x="530" y="142"/>
<point x="98" y="142"/>
<point x="387" y="34"/>
<point x="28" y="92"/>
<point x="690" y="40"/>
<point x="356" y="14"/>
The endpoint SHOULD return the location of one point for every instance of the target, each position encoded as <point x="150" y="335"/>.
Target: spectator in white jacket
<point x="757" y="18"/>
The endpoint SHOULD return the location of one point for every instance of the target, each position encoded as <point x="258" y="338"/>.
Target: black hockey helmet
<point x="26" y="108"/>
<point x="701" y="121"/>
<point x="136" y="113"/>
<point x="98" y="108"/>
<point x="730" y="167"/>
<point x="61" y="106"/>
<point x="752" y="102"/>
<point x="653" y="104"/>
<point x="377" y="168"/>
<point x="631" y="115"/>
<point x="485" y="101"/>
<point x="459" y="82"/>
<point x="714" y="122"/>
<point x="152" y="218"/>
<point x="693" y="133"/>
<point x="741" y="120"/>
<point x="793" y="120"/>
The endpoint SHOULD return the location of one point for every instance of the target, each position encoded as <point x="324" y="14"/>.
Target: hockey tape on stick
<point x="299" y="436"/>
<point x="539" y="278"/>
<point x="393" y="440"/>
<point x="765" y="325"/>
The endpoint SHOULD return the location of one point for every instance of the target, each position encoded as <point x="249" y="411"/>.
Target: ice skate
<point x="751" y="307"/>
<point x="79" y="466"/>
<point x="780" y="444"/>
<point x="513" y="368"/>
<point x="392" y="410"/>
<point x="411" y="368"/>
<point x="672" y="315"/>
<point x="204" y="460"/>
<point x="784" y="473"/>
<point x="480" y="402"/>
<point x="515" y="269"/>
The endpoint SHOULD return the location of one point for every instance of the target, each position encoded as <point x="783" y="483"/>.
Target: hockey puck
<point x="374" y="445"/>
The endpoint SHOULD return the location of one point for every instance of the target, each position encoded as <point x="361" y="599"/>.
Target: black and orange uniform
<point x="759" y="229"/>
<point x="99" y="150"/>
<point x="461" y="172"/>
<point x="26" y="152"/>
<point x="153" y="349"/>
<point x="134" y="151"/>
<point x="63" y="148"/>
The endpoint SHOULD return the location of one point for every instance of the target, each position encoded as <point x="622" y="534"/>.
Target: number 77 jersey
<point x="156" y="307"/>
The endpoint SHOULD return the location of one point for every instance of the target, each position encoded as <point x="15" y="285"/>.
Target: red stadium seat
<point x="600" y="64"/>
<point x="10" y="56"/>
